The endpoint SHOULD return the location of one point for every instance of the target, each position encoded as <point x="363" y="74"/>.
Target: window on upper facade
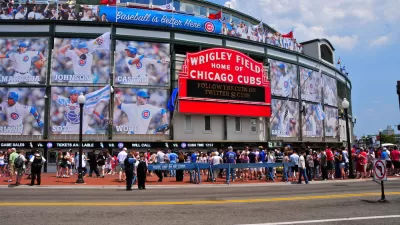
<point x="207" y="123"/>
<point x="238" y="124"/>
<point x="253" y="124"/>
<point x="326" y="53"/>
<point x="188" y="122"/>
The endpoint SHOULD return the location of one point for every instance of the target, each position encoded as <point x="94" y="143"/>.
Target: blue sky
<point x="366" y="36"/>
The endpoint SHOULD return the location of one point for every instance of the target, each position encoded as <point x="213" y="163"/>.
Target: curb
<point x="185" y="186"/>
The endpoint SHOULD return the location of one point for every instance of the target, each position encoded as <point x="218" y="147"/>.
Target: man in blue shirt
<point x="172" y="160"/>
<point x="193" y="173"/>
<point x="230" y="157"/>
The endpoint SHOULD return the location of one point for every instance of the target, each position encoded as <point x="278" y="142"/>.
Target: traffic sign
<point x="380" y="170"/>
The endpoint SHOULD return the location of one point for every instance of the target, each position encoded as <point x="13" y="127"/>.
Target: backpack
<point x="19" y="162"/>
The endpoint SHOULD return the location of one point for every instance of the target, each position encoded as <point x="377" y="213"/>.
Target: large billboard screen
<point x="284" y="81"/>
<point x="310" y="82"/>
<point x="141" y="111"/>
<point x="331" y="121"/>
<point x="222" y="81"/>
<point x="21" y="111"/>
<point x="142" y="63"/>
<point x="65" y="110"/>
<point x="330" y="90"/>
<point x="81" y="60"/>
<point x="23" y="60"/>
<point x="285" y="118"/>
<point x="312" y="120"/>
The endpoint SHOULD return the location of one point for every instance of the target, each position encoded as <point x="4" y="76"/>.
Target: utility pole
<point x="398" y="93"/>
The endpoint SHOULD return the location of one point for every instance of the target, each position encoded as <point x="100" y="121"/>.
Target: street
<point x="240" y="204"/>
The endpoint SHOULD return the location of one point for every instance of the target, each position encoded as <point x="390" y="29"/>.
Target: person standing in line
<point x="129" y="164"/>
<point x="270" y="160"/>
<point x="12" y="158"/>
<point x="231" y="158"/>
<point x="20" y="168"/>
<point x="286" y="168"/>
<point x="121" y="166"/>
<point x="396" y="161"/>
<point x="345" y="155"/>
<point x="302" y="167"/>
<point x="215" y="160"/>
<point x="2" y="169"/>
<point x="36" y="167"/>
<point x="141" y="173"/>
<point x="330" y="159"/>
<point x="172" y="160"/>
<point x="179" y="173"/>
<point x="324" y="165"/>
<point x="93" y="164"/>
<point x="160" y="160"/>
<point x="294" y="158"/>
<point x="310" y="165"/>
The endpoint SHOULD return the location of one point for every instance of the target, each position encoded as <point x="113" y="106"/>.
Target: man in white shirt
<point x="215" y="160"/>
<point x="302" y="167"/>
<point x="121" y="158"/>
<point x="21" y="13"/>
<point x="294" y="158"/>
<point x="160" y="160"/>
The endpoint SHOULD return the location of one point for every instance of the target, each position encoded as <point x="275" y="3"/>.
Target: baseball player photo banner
<point x="23" y="61"/>
<point x="310" y="82"/>
<point x="331" y="121"/>
<point x="285" y="118"/>
<point x="142" y="63"/>
<point x="65" y="111"/>
<point x="312" y="120"/>
<point x="330" y="90"/>
<point x="81" y="60"/>
<point x="284" y="81"/>
<point x="21" y="111"/>
<point x="141" y="111"/>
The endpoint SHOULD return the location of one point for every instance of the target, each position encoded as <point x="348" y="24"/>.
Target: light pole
<point x="81" y="101"/>
<point x="345" y="105"/>
<point x="380" y="139"/>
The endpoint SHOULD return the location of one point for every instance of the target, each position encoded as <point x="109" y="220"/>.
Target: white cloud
<point x="344" y="23"/>
<point x="382" y="40"/>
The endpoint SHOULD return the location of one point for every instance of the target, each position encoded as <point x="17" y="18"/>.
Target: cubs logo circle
<point x="120" y="145"/>
<point x="26" y="58"/>
<point x="82" y="62"/>
<point x="14" y="116"/>
<point x="209" y="27"/>
<point x="139" y="65"/>
<point x="49" y="145"/>
<point x="146" y="114"/>
<point x="183" y="145"/>
<point x="285" y="84"/>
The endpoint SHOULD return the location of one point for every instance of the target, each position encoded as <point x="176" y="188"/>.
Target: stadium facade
<point x="111" y="37"/>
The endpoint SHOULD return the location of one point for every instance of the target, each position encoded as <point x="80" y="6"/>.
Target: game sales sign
<point x="222" y="81"/>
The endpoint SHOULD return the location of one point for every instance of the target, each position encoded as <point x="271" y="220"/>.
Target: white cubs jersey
<point x="284" y="123"/>
<point x="22" y="61"/>
<point x="72" y="115"/>
<point x="138" y="70"/>
<point x="14" y="114"/>
<point x="285" y="85"/>
<point x="311" y="127"/>
<point x="139" y="116"/>
<point x="80" y="66"/>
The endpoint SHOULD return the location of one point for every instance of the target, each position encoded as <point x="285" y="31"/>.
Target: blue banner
<point x="161" y="19"/>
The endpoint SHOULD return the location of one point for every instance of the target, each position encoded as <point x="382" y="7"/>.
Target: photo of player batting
<point x="65" y="110"/>
<point x="283" y="79"/>
<point x="312" y="126"/>
<point x="21" y="111"/>
<point x="284" y="119"/>
<point x="79" y="61"/>
<point x="331" y="121"/>
<point x="310" y="82"/>
<point x="23" y="61"/>
<point x="141" y="111"/>
<point x="142" y="63"/>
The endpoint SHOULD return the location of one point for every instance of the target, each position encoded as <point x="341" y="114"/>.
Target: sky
<point x="365" y="35"/>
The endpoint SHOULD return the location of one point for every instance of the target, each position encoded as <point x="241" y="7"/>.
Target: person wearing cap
<point x="36" y="167"/>
<point x="16" y="113"/>
<point x="284" y="87"/>
<point x="22" y="64"/>
<point x="21" y="13"/>
<point x="72" y="113"/>
<point x="230" y="157"/>
<point x="140" y="114"/>
<point x="137" y="65"/>
<point x="82" y="61"/>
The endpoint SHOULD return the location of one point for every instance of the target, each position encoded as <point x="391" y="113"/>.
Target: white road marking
<point x="329" y="220"/>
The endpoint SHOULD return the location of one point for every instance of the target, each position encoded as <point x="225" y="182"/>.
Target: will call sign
<point x="224" y="82"/>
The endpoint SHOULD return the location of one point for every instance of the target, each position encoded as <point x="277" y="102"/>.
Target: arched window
<point x="326" y="53"/>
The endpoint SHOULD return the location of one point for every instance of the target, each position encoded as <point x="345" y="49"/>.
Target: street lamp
<point x="380" y="139"/>
<point x="81" y="101"/>
<point x="345" y="106"/>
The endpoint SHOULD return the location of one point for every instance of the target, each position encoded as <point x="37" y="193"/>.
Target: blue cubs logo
<point x="72" y="107"/>
<point x="139" y="65"/>
<point x="82" y="62"/>
<point x="146" y="114"/>
<point x="26" y="58"/>
<point x="14" y="116"/>
<point x="285" y="84"/>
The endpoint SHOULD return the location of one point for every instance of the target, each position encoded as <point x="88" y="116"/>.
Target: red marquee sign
<point x="222" y="81"/>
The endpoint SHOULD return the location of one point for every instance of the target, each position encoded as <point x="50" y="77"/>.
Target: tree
<point x="388" y="139"/>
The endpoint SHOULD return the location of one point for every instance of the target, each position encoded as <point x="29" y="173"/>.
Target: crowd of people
<point x="322" y="164"/>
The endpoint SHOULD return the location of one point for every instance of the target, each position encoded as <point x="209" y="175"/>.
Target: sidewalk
<point x="49" y="179"/>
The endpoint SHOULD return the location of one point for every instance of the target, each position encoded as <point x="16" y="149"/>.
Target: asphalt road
<point x="205" y="205"/>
